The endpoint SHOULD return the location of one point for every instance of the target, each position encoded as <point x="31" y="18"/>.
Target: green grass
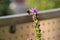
<point x="43" y="4"/>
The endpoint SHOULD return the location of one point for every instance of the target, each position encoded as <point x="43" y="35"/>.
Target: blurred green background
<point x="4" y="8"/>
<point x="40" y="4"/>
<point x="43" y="4"/>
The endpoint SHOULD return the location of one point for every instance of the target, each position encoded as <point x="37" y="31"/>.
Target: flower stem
<point x="37" y="30"/>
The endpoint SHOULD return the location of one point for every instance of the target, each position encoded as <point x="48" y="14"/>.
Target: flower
<point x="33" y="10"/>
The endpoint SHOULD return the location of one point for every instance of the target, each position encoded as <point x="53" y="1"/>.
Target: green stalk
<point x="37" y="30"/>
<point x="36" y="22"/>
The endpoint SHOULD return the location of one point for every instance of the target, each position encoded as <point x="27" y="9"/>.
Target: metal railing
<point x="24" y="17"/>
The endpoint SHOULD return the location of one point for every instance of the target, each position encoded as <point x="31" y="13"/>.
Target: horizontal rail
<point x="24" y="17"/>
<point x="25" y="14"/>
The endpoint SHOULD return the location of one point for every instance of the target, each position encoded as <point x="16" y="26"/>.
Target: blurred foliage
<point x="40" y="4"/>
<point x="4" y="7"/>
<point x="43" y="4"/>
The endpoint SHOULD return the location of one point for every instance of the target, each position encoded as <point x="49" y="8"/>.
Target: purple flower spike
<point x="33" y="10"/>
